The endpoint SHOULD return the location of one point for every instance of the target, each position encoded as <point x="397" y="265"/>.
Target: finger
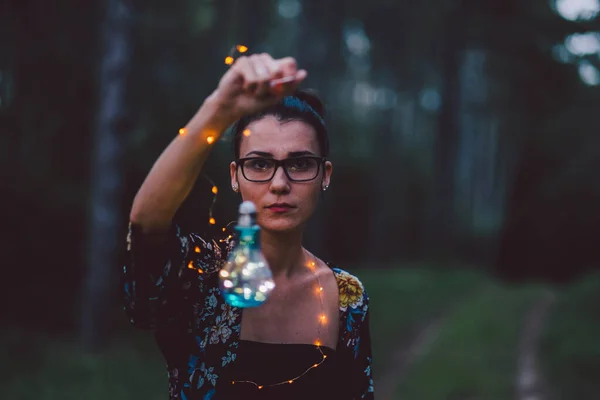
<point x="288" y="66"/>
<point x="260" y="66"/>
<point x="301" y="75"/>
<point x="272" y="65"/>
<point x="246" y="69"/>
<point x="287" y="85"/>
<point x="263" y="68"/>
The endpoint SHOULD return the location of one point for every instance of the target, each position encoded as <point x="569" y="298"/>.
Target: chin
<point x="281" y="225"/>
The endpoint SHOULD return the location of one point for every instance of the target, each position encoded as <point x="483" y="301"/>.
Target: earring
<point x="325" y="187"/>
<point x="235" y="188"/>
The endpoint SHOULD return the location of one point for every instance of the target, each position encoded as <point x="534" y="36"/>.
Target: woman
<point x="310" y="339"/>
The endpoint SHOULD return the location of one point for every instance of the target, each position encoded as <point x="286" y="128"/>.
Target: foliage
<point x="569" y="348"/>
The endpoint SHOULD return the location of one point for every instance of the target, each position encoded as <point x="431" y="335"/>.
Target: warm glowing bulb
<point x="191" y="265"/>
<point x="212" y="221"/>
<point x="290" y="381"/>
<point x="323" y="318"/>
<point x="247" y="132"/>
<point x="260" y="387"/>
<point x="324" y="356"/>
<point x="224" y="229"/>
<point x="215" y="190"/>
<point x="197" y="249"/>
<point x="241" y="48"/>
<point x="182" y="131"/>
<point x="210" y="139"/>
<point x="320" y="289"/>
<point x="228" y="60"/>
<point x="315" y="366"/>
<point x="317" y="343"/>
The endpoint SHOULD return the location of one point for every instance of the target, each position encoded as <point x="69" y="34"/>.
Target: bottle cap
<point x="247" y="207"/>
<point x="247" y="216"/>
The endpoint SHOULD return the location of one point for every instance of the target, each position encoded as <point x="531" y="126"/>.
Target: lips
<point x="280" y="207"/>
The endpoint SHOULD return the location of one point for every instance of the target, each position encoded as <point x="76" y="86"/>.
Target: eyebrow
<point x="290" y="154"/>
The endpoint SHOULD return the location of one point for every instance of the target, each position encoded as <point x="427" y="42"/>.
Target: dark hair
<point x="303" y="105"/>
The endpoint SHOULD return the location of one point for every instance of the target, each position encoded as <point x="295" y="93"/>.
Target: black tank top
<point x="267" y="363"/>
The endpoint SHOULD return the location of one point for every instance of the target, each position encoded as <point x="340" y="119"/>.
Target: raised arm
<point x="244" y="89"/>
<point x="157" y="285"/>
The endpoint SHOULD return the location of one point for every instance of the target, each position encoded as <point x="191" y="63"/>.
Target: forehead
<point x="279" y="138"/>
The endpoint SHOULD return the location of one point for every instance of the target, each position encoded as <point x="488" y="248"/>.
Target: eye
<point x="301" y="163"/>
<point x="259" y="164"/>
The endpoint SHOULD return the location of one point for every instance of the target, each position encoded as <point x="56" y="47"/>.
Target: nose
<point x="280" y="182"/>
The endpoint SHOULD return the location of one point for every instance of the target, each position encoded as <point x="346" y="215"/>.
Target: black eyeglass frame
<point x="280" y="163"/>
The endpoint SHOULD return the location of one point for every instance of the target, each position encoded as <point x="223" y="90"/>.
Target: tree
<point x="103" y="241"/>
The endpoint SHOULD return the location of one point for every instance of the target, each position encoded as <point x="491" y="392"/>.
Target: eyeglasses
<point x="297" y="169"/>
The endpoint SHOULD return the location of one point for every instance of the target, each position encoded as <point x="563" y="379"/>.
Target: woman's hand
<point x="254" y="83"/>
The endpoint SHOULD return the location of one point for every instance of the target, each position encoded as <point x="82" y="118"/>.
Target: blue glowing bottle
<point x="246" y="279"/>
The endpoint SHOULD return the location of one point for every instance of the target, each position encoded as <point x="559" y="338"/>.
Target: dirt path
<point x="530" y="384"/>
<point x="405" y="356"/>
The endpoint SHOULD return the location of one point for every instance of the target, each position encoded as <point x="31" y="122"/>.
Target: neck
<point x="283" y="252"/>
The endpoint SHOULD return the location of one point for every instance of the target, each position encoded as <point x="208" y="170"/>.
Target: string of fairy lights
<point x="322" y="318"/>
<point x="210" y="139"/>
<point x="318" y="343"/>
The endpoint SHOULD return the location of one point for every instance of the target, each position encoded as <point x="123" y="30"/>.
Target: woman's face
<point x="282" y="205"/>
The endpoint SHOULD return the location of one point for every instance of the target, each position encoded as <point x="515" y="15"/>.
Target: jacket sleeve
<point x="364" y="358"/>
<point x="161" y="279"/>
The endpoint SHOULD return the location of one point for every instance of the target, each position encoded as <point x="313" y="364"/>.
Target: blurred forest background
<point x="466" y="148"/>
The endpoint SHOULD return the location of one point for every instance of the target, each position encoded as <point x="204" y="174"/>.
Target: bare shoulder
<point x="352" y="293"/>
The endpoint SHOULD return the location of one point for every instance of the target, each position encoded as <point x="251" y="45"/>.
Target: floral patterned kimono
<point x="173" y="290"/>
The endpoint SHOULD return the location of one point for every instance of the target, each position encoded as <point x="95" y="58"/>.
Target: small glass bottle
<point x="246" y="279"/>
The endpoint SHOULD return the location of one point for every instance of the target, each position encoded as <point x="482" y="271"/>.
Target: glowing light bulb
<point x="197" y="249"/>
<point x="241" y="48"/>
<point x="191" y="265"/>
<point x="228" y="60"/>
<point x="210" y="139"/>
<point x="212" y="221"/>
<point x="182" y="131"/>
<point x="246" y="279"/>
<point x="215" y="189"/>
<point x="247" y="132"/>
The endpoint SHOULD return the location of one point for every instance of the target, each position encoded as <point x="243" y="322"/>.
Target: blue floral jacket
<point x="172" y="289"/>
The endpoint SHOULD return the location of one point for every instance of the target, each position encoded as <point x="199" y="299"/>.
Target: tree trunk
<point x="441" y="223"/>
<point x="105" y="217"/>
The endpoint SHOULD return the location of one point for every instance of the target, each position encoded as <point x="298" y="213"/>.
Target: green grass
<point x="56" y="369"/>
<point x="570" y="345"/>
<point x="403" y="299"/>
<point x="475" y="353"/>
